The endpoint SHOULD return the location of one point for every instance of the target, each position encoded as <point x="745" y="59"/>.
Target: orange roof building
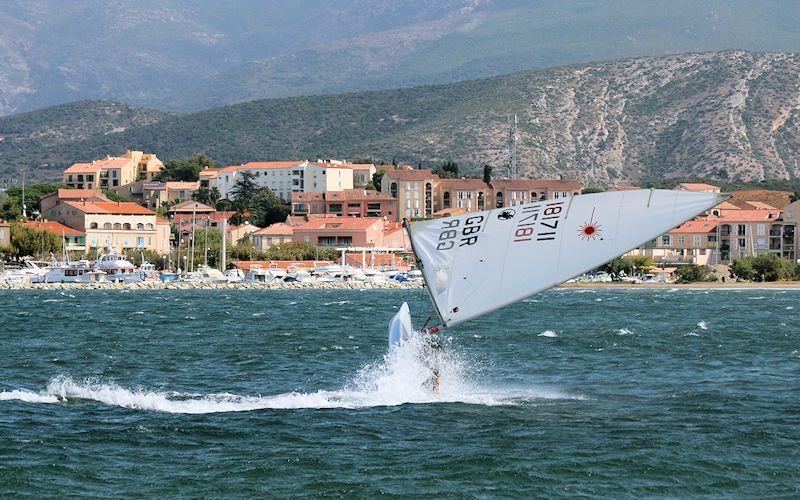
<point x="344" y="232"/>
<point x="347" y="202"/>
<point x="113" y="171"/>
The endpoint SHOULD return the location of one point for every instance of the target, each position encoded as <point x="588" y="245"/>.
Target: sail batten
<point x="478" y="262"/>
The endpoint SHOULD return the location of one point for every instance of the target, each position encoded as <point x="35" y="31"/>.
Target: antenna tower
<point x="512" y="146"/>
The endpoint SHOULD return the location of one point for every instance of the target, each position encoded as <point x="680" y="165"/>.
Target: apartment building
<point x="468" y="194"/>
<point x="154" y="194"/>
<point x="49" y="201"/>
<point x="348" y="202"/>
<point x="361" y="232"/>
<point x="283" y="177"/>
<point x="414" y="191"/>
<point x="113" y="171"/>
<point x="511" y="192"/>
<point x="121" y="225"/>
<point x="273" y="235"/>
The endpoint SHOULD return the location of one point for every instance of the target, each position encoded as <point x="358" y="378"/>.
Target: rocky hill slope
<point x="730" y="115"/>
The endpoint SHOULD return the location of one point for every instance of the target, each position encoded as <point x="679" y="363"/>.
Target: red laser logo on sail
<point x="590" y="229"/>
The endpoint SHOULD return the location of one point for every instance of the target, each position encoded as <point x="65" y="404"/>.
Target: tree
<point x="692" y="273"/>
<point x="244" y="193"/>
<point x="487" y="174"/>
<point x="11" y="208"/>
<point x="188" y="170"/>
<point x="742" y="269"/>
<point x="269" y="208"/>
<point x="377" y="178"/>
<point x="207" y="196"/>
<point x="591" y="190"/>
<point x="26" y="242"/>
<point x="111" y="195"/>
<point x="447" y="170"/>
<point x="223" y="205"/>
<point x="766" y="267"/>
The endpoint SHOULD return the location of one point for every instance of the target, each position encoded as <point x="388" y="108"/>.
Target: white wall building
<point x="285" y="177"/>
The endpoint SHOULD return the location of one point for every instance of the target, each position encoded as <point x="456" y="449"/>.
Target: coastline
<point x="352" y="285"/>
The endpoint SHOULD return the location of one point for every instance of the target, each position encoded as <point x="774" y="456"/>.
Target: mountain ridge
<point x="729" y="115"/>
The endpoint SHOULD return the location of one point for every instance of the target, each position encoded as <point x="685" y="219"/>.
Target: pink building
<point x="348" y="232"/>
<point x="348" y="202"/>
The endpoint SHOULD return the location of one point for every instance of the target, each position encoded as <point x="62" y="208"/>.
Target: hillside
<point x="732" y="115"/>
<point x="23" y="135"/>
<point x="195" y="54"/>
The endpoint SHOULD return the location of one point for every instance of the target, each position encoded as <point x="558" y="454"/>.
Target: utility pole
<point x="512" y="146"/>
<point x="24" y="207"/>
<point x="191" y="258"/>
<point x="224" y="249"/>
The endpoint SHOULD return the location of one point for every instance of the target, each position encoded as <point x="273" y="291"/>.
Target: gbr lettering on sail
<point x="532" y="222"/>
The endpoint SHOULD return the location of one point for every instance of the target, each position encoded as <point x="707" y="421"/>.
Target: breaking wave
<point x="402" y="376"/>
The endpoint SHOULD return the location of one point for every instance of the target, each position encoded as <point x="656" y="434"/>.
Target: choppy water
<point x="573" y="392"/>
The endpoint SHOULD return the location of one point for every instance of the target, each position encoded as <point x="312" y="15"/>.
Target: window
<point x="665" y="240"/>
<point x="126" y="226"/>
<point x="696" y="240"/>
<point x="446" y="199"/>
<point x="712" y="238"/>
<point x="542" y="196"/>
<point x="107" y="225"/>
<point x="140" y="226"/>
<point x="761" y="229"/>
<point x="499" y="197"/>
<point x="93" y="225"/>
<point x="335" y="207"/>
<point x="139" y="241"/>
<point x="681" y="239"/>
<point x="393" y="189"/>
<point x="761" y="243"/>
<point x="741" y="230"/>
<point x="149" y="227"/>
<point x="742" y="243"/>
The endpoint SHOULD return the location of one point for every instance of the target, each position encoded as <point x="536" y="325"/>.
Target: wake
<point x="400" y="377"/>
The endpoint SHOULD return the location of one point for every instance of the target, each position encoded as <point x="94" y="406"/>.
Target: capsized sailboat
<point x="479" y="262"/>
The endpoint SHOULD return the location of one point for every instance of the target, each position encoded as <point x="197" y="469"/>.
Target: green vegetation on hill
<point x="634" y="120"/>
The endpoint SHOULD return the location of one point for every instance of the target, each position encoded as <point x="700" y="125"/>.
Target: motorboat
<point x="67" y="272"/>
<point x="33" y="272"/>
<point x="118" y="269"/>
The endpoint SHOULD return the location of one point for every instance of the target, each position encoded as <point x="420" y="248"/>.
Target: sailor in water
<point x="430" y="355"/>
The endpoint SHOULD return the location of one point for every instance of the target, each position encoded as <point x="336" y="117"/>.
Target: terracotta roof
<point x="110" y="207"/>
<point x="728" y="216"/>
<point x="777" y="199"/>
<point x="79" y="194"/>
<point x="299" y="197"/>
<point x="410" y="175"/>
<point x="295" y="220"/>
<point x="278" y="229"/>
<point x="338" y="223"/>
<point x="162" y="220"/>
<point x="190" y="205"/>
<point x="696" y="226"/>
<point x="449" y="212"/>
<point x="52" y="227"/>
<point x="531" y="184"/>
<point x="726" y="205"/>
<point x="82" y="168"/>
<point x="696" y="186"/>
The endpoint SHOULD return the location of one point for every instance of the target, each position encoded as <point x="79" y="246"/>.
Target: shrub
<point x="692" y="273"/>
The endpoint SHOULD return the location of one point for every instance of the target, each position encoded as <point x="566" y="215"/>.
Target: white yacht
<point x="118" y="269"/>
<point x="33" y="272"/>
<point x="67" y="272"/>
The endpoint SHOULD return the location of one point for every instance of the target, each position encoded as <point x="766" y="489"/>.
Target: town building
<point x="283" y="177"/>
<point x="470" y="194"/>
<point x="698" y="187"/>
<point x="349" y="232"/>
<point x="362" y="172"/>
<point x="49" y="201"/>
<point x="74" y="239"/>
<point x="113" y="171"/>
<point x="511" y="192"/>
<point x="273" y="235"/>
<point x="5" y="233"/>
<point x="348" y="202"/>
<point x="156" y="194"/>
<point x="121" y="225"/>
<point x="414" y="191"/>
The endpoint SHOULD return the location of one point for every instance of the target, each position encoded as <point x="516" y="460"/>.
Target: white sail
<point x="478" y="262"/>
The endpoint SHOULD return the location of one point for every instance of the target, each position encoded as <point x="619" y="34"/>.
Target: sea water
<point x="234" y="393"/>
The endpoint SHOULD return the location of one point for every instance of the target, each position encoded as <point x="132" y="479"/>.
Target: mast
<point x="512" y="146"/>
<point x="407" y="227"/>
<point x="224" y="242"/>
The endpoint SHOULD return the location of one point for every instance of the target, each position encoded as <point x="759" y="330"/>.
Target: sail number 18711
<point x="546" y="216"/>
